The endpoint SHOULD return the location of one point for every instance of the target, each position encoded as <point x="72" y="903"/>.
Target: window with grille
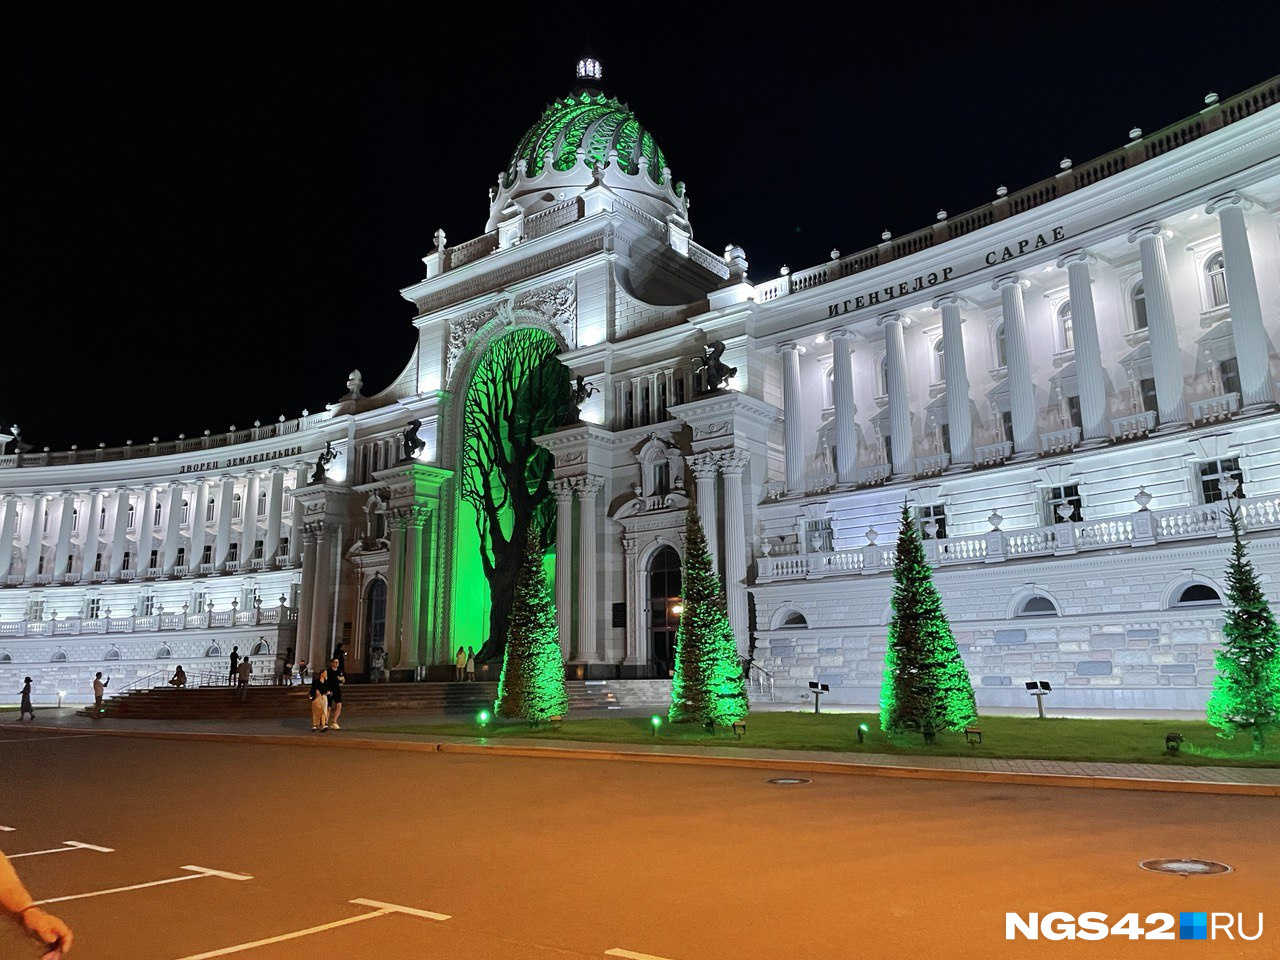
<point x="257" y="550"/>
<point x="1068" y="494"/>
<point x="206" y="554"/>
<point x="210" y="508"/>
<point x="1215" y="280"/>
<point x="147" y="605"/>
<point x="126" y="562"/>
<point x="186" y="511"/>
<point x="237" y="504"/>
<point x="1213" y="473"/>
<point x="154" y="560"/>
<point x="93" y="608"/>
<point x="233" y="552"/>
<point x="937" y="513"/>
<point x="1229" y="372"/>
<point x="181" y="559"/>
<point x="262" y="504"/>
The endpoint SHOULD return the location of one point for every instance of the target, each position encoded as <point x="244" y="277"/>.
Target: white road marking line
<point x="286" y="936"/>
<point x="631" y="955"/>
<point x="396" y="908"/>
<point x="67" y="845"/>
<point x="6" y="829"/>
<point x="208" y="872"/>
<point x="196" y="873"/>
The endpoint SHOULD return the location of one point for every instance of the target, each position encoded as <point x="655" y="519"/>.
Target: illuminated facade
<point x="1064" y="384"/>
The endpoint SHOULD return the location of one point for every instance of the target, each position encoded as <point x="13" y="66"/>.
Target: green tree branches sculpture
<point x="518" y="392"/>
<point x="1246" y="689"/>
<point x="708" y="685"/>
<point x="926" y="685"/>
<point x="531" y="686"/>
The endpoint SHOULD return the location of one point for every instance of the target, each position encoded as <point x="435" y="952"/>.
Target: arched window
<point x="262" y="503"/>
<point x="664" y="607"/>
<point x="210" y="508"/>
<point x="1215" y="280"/>
<point x="260" y="649"/>
<point x="1064" y="324"/>
<point x="376" y="616"/>
<point x="59" y="657"/>
<point x="939" y="363"/>
<point x="213" y="650"/>
<point x="112" y="654"/>
<point x="186" y="510"/>
<point x="102" y="519"/>
<point x="1037" y="606"/>
<point x="164" y="653"/>
<point x="1002" y="349"/>
<point x="829" y="388"/>
<point x="1198" y="595"/>
<point x="75" y="519"/>
<point x="6" y="656"/>
<point x="156" y="514"/>
<point x="133" y="515"/>
<point x="1138" y="300"/>
<point x="237" y="505"/>
<point x="884" y="375"/>
<point x="796" y="619"/>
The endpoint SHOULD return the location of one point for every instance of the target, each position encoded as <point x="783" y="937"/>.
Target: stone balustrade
<point x="1134" y="426"/>
<point x="157" y="622"/>
<point x="991" y="454"/>
<point x="933" y="465"/>
<point x="1060" y="441"/>
<point x="1144" y="528"/>
<point x="1213" y="409"/>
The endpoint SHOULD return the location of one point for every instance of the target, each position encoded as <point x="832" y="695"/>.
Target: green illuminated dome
<point x="591" y="124"/>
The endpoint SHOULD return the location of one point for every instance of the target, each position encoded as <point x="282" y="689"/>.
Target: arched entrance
<point x="662" y="617"/>
<point x="375" y="627"/>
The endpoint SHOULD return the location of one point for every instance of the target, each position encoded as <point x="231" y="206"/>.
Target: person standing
<point x="235" y="663"/>
<point x="336" y="679"/>
<point x="319" y="697"/>
<point x="471" y="664"/>
<point x="52" y="933"/>
<point x="460" y="664"/>
<point x="286" y="674"/>
<point x="341" y="656"/>
<point x="26" y="708"/>
<point x="99" y="691"/>
<point x="242" y="678"/>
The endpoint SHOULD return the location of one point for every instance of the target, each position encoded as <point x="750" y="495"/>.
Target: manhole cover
<point x="1186" y="868"/>
<point x="788" y="781"/>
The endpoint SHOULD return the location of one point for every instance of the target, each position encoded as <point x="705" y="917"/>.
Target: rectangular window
<point x="662" y="479"/>
<point x="197" y="601"/>
<point x="888" y="448"/>
<point x="678" y="383"/>
<point x="1229" y="372"/>
<point x="257" y="550"/>
<point x="102" y="519"/>
<point x="1140" y="312"/>
<point x="1073" y="412"/>
<point x="628" y="411"/>
<point x="147" y="605"/>
<point x="97" y="563"/>
<point x="1214" y="473"/>
<point x="662" y="399"/>
<point x="937" y="513"/>
<point x="284" y="547"/>
<point x="71" y="562"/>
<point x="133" y="514"/>
<point x="644" y="406"/>
<point x="156" y="515"/>
<point x="262" y="504"/>
<point x="1068" y="494"/>
<point x="233" y="553"/>
<point x="945" y="430"/>
<point x="75" y="520"/>
<point x="93" y="608"/>
<point x="1150" y="401"/>
<point x="206" y="554"/>
<point x="181" y="559"/>
<point x="210" y="509"/>
<point x="127" y="561"/>
<point x="186" y="511"/>
<point x="40" y="564"/>
<point x="35" y="610"/>
<point x="1006" y="422"/>
<point x="236" y="507"/>
<point x="154" y="560"/>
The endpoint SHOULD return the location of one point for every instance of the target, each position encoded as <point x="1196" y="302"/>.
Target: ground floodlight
<point x="482" y="718"/>
<point x="655" y="721"/>
<point x="862" y="732"/>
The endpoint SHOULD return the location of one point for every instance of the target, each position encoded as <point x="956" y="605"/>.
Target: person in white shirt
<point x="99" y="689"/>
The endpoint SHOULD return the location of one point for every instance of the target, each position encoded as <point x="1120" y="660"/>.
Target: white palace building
<point x="1065" y="385"/>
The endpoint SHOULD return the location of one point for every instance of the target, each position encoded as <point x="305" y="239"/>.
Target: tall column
<point x="1022" y="398"/>
<point x="249" y="519"/>
<point x="732" y="463"/>
<point x="7" y="529"/>
<point x="1162" y="326"/>
<point x="1084" y="334"/>
<point x="64" y="535"/>
<point x="563" y="490"/>
<point x="119" y="532"/>
<point x="321" y="596"/>
<point x="793" y="415"/>
<point x="959" y="419"/>
<point x="846" y="427"/>
<point x="295" y="542"/>
<point x="1253" y="354"/>
<point x="899" y="394"/>
<point x="275" y="507"/>
<point x="588" y="616"/>
<point x="92" y="536"/>
<point x="703" y="466"/>
<point x="222" y="542"/>
<point x="199" y="515"/>
<point x="146" y="526"/>
<point x="393" y="639"/>
<point x="306" y="589"/>
<point x="35" y="536"/>
<point x="411" y="610"/>
<point x="173" y="527"/>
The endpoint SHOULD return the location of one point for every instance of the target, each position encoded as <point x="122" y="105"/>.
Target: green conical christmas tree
<point x="926" y="684"/>
<point x="708" y="685"/>
<point x="1246" y="690"/>
<point x="531" y="686"/>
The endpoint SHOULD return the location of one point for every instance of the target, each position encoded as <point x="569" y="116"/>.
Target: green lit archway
<point x="518" y="392"/>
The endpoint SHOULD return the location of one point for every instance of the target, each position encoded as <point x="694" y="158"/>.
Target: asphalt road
<point x="560" y="859"/>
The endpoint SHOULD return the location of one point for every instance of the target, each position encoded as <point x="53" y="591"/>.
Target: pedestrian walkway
<point x="358" y="733"/>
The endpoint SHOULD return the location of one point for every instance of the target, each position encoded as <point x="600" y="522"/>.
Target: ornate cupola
<point x="583" y="140"/>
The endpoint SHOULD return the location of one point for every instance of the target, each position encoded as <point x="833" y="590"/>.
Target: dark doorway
<point x="376" y="628"/>
<point x="664" y="617"/>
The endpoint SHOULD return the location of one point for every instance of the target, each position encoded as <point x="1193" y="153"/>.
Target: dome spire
<point x="589" y="69"/>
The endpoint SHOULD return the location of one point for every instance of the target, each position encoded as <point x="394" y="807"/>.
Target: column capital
<point x="841" y="333"/>
<point x="562" y="488"/>
<point x="703" y="465"/>
<point x="1231" y="199"/>
<point x="733" y="461"/>
<point x="8" y="497"/>
<point x="1076" y="256"/>
<point x="1010" y="280"/>
<point x="888" y="318"/>
<point x="225" y="477"/>
<point x="588" y="486"/>
<point x="1147" y="230"/>
<point x="67" y="494"/>
<point x="946" y="300"/>
<point x="788" y="345"/>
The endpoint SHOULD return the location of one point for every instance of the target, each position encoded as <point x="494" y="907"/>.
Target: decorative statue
<point x="715" y="371"/>
<point x="323" y="461"/>
<point x="579" y="392"/>
<point x="413" y="444"/>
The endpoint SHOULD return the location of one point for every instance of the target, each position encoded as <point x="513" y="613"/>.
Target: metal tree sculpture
<point x="518" y="392"/>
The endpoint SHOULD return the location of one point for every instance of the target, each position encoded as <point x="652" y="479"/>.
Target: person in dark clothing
<point x="319" y="698"/>
<point x="341" y="656"/>
<point x="335" y="682"/>
<point x="235" y="662"/>
<point x="26" y="708"/>
<point x="286" y="671"/>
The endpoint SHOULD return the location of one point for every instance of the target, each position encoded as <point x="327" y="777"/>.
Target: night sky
<point x="208" y="213"/>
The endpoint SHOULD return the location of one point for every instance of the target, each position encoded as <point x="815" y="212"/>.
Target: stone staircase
<point x="452" y="700"/>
